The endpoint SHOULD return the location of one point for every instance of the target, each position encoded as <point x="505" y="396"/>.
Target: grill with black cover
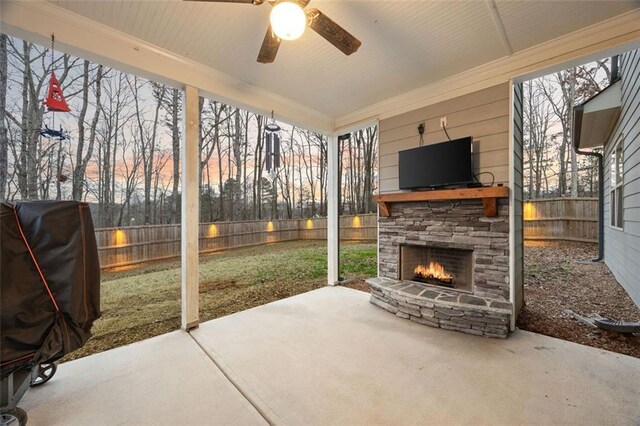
<point x="50" y="285"/>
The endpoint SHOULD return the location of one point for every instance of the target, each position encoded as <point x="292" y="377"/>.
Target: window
<point x="617" y="185"/>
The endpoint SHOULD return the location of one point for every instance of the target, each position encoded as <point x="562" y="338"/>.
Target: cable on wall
<point x="445" y="132"/>
<point x="493" y="177"/>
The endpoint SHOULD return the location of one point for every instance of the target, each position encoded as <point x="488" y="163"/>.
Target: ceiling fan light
<point x="288" y="20"/>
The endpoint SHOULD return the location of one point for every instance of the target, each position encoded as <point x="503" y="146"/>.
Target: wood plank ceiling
<point x="405" y="44"/>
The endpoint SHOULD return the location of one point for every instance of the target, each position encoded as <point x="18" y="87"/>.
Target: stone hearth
<point x="441" y="308"/>
<point x="484" y="307"/>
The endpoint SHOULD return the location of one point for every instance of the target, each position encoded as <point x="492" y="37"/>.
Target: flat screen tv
<point x="441" y="164"/>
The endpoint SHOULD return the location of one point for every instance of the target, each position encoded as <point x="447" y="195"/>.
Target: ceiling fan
<point x="288" y="21"/>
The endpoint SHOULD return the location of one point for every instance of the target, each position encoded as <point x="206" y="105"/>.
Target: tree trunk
<point x="175" y="144"/>
<point x="574" y="159"/>
<point x="31" y="123"/>
<point x="244" y="165"/>
<point x="78" y="174"/>
<point x="4" y="140"/>
<point x="220" y="181"/>
<point x="149" y="158"/>
<point x="257" y="174"/>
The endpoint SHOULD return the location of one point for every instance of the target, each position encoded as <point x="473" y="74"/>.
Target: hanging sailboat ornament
<point x="272" y="145"/>
<point x="59" y="135"/>
<point x="55" y="101"/>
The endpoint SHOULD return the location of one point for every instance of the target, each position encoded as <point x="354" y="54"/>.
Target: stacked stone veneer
<point x="441" y="308"/>
<point x="485" y="310"/>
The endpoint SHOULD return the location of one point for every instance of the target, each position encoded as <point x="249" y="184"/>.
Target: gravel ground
<point x="555" y="280"/>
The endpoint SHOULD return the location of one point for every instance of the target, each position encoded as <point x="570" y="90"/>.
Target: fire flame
<point x="433" y="271"/>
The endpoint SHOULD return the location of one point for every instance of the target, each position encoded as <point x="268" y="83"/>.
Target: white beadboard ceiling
<point x="405" y="44"/>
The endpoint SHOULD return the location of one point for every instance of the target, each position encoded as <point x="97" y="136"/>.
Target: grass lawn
<point x="144" y="301"/>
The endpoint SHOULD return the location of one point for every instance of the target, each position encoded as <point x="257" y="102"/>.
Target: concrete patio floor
<point x="163" y="380"/>
<point x="330" y="357"/>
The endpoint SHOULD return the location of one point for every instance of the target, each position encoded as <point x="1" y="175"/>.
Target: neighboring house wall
<point x="517" y="227"/>
<point x="622" y="247"/>
<point x="483" y="114"/>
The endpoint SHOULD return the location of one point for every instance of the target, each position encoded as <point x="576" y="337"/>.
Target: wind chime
<point x="55" y="102"/>
<point x="272" y="145"/>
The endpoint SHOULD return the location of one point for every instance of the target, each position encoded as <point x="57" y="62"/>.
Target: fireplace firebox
<point x="442" y="266"/>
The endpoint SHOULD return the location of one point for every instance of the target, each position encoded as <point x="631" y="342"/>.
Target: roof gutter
<point x="578" y="112"/>
<point x="614" y="69"/>
<point x="577" y="122"/>
<point x="600" y="158"/>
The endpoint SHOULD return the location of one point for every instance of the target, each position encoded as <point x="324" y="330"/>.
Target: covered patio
<point x="329" y="356"/>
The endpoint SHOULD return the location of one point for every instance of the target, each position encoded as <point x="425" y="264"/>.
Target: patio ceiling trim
<point x="76" y="35"/>
<point x="611" y="36"/>
<point x="497" y="21"/>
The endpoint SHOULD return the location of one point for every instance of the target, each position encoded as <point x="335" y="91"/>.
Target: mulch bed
<point x="555" y="280"/>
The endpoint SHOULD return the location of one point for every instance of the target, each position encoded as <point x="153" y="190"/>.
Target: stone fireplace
<point x="445" y="264"/>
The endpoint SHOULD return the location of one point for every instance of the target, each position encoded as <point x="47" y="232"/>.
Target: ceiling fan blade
<point x="332" y="32"/>
<point x="255" y="2"/>
<point x="269" y="48"/>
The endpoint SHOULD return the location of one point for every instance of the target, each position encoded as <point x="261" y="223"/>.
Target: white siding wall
<point x="483" y="115"/>
<point x="622" y="247"/>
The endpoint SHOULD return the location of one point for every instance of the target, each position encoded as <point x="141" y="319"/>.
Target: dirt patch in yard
<point x="556" y="281"/>
<point x="357" y="285"/>
<point x="144" y="301"/>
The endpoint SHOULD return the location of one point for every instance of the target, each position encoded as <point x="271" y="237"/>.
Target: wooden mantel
<point x="489" y="196"/>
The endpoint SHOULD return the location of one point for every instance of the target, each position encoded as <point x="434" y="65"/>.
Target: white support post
<point x="512" y="210"/>
<point x="333" y="192"/>
<point x="190" y="157"/>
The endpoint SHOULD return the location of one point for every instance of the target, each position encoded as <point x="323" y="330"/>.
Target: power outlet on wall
<point x="443" y="122"/>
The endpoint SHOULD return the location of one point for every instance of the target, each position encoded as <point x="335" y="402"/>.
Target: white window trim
<point x="612" y="189"/>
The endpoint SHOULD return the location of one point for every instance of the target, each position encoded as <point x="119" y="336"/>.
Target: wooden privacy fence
<point x="570" y="219"/>
<point x="136" y="244"/>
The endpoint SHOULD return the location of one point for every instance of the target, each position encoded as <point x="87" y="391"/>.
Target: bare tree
<point x="237" y="160"/>
<point x="369" y="144"/>
<point x="147" y="138"/>
<point x="258" y="168"/>
<point x="538" y="119"/>
<point x="129" y="175"/>
<point x="124" y="150"/>
<point x="82" y="156"/>
<point x="115" y="114"/>
<point x="563" y="90"/>
<point x="173" y="106"/>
